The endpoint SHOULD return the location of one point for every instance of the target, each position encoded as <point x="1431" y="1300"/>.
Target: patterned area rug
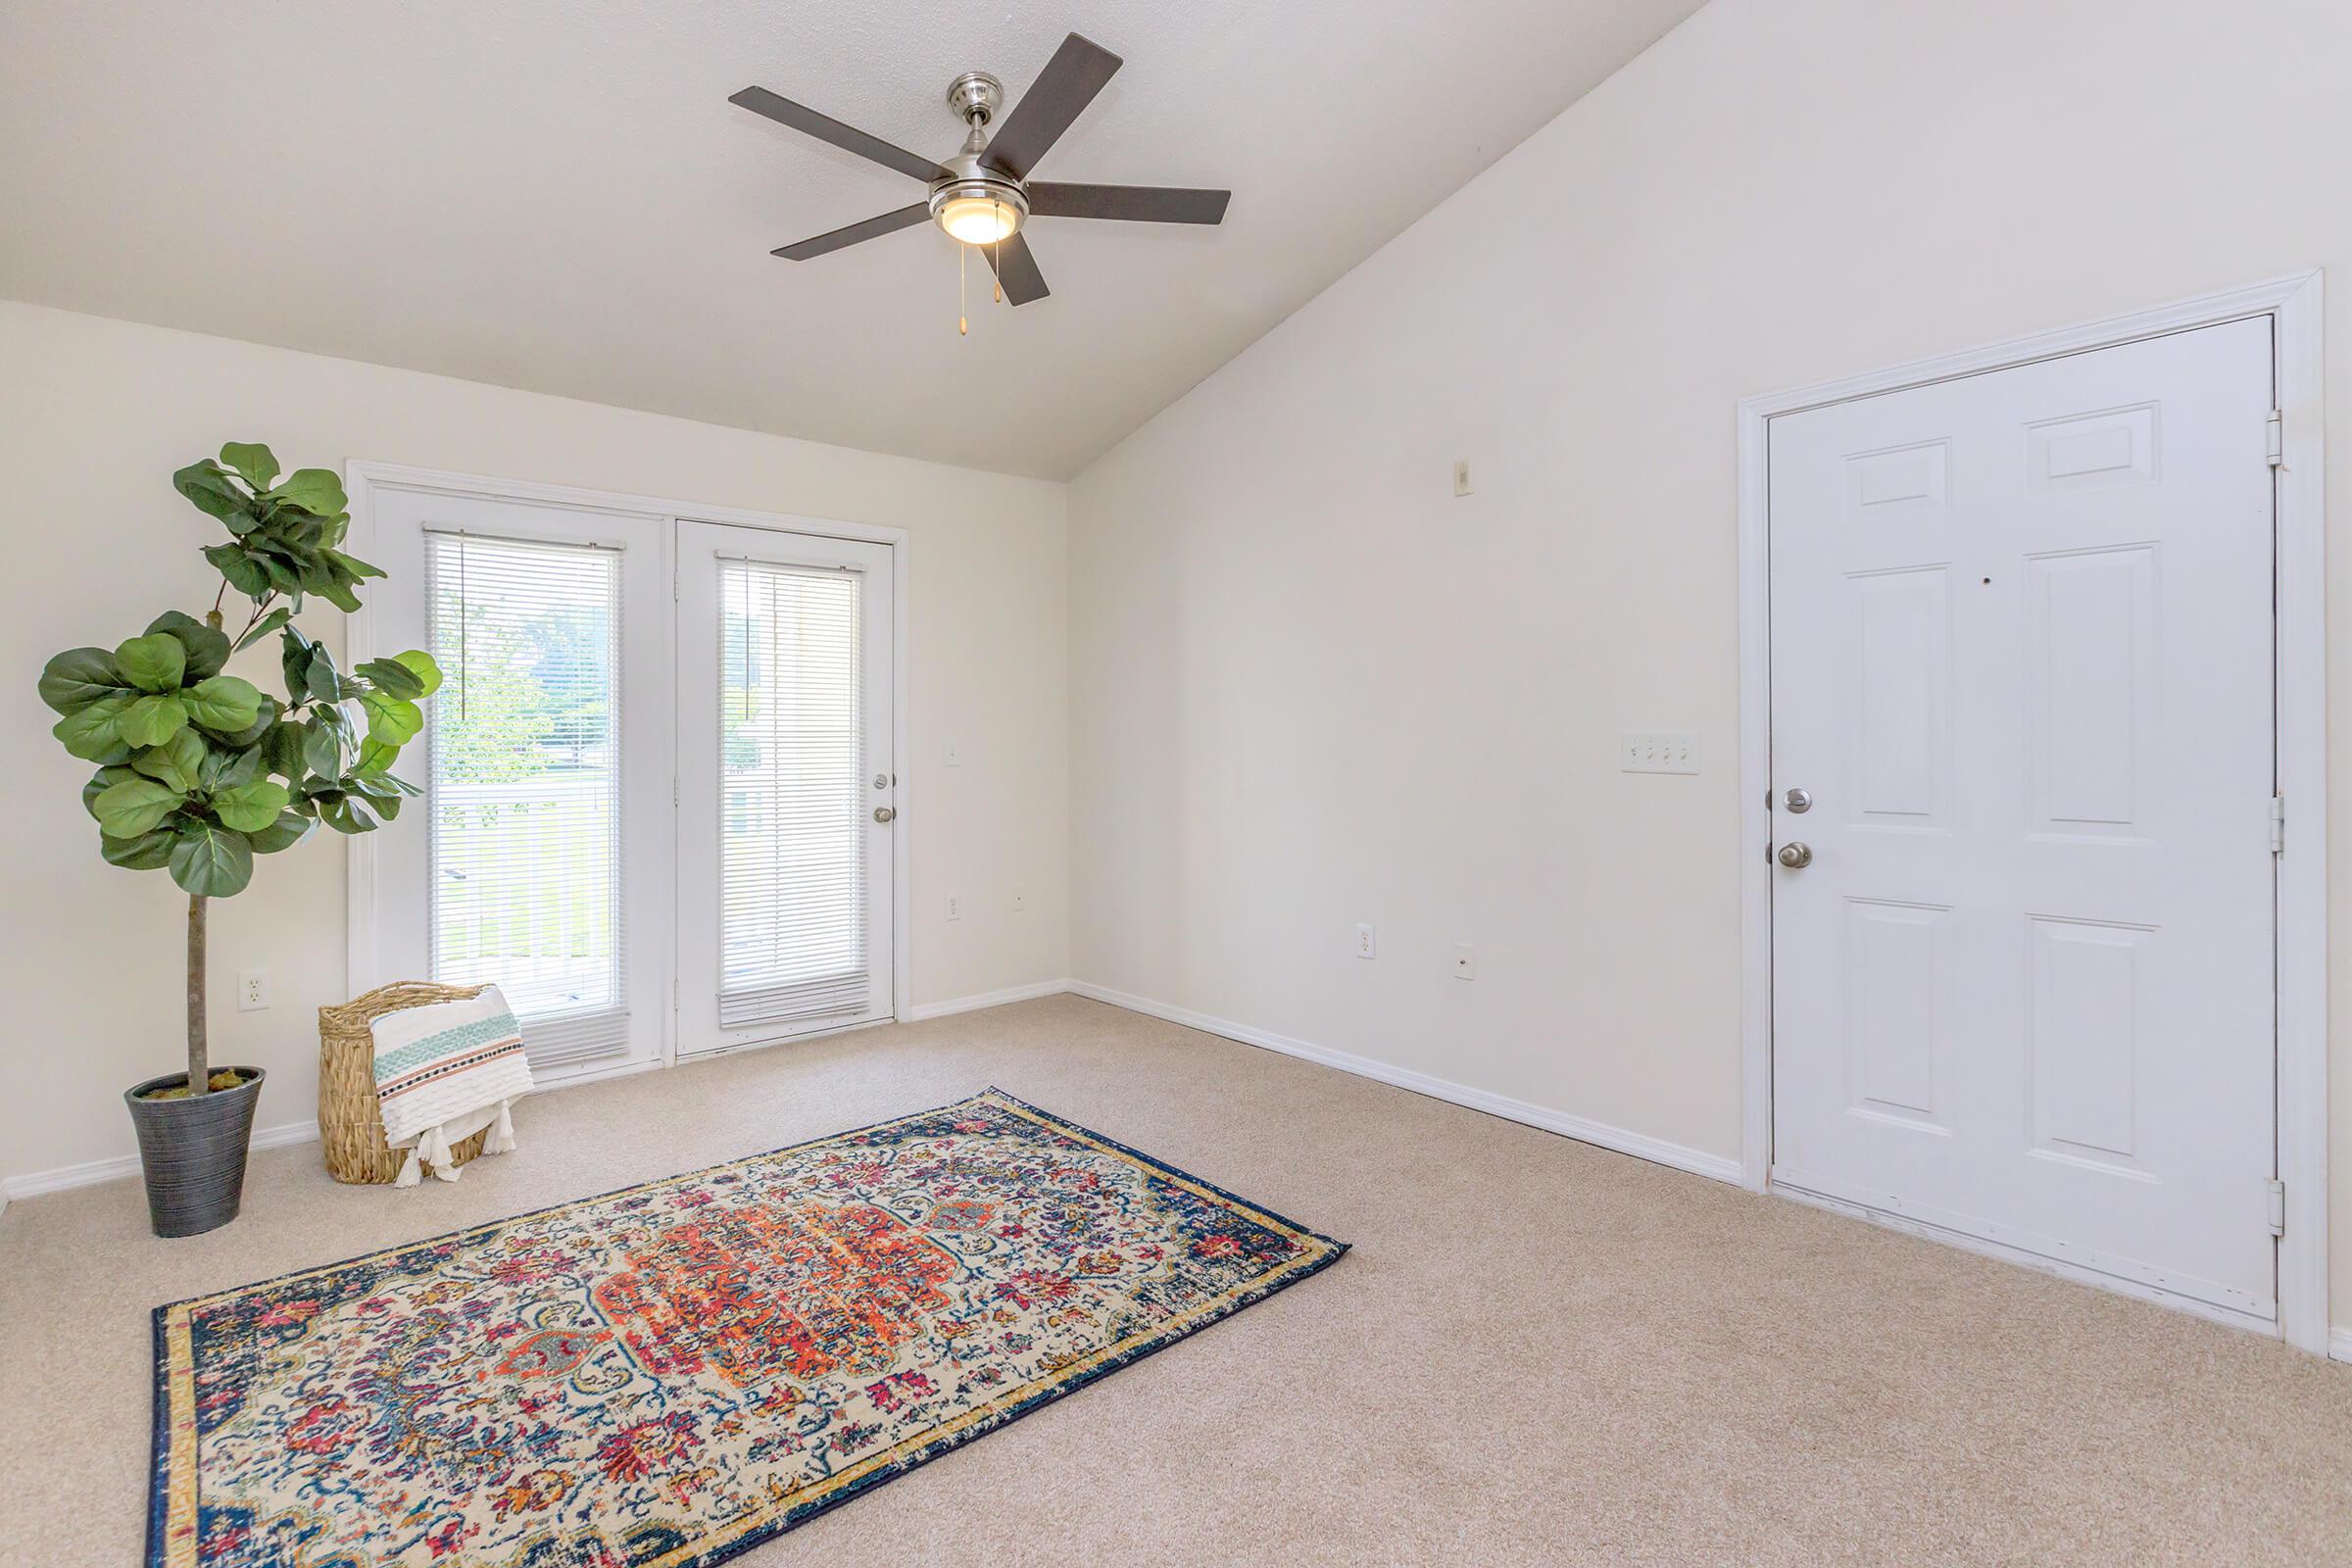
<point x="668" y="1375"/>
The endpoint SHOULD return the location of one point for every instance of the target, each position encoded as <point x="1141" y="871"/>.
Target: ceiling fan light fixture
<point x="978" y="212"/>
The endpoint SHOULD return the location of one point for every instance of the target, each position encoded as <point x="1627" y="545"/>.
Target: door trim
<point x="2294" y="308"/>
<point x="363" y="479"/>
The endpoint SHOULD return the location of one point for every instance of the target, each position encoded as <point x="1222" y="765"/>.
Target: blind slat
<point x="526" y="770"/>
<point x="791" y="794"/>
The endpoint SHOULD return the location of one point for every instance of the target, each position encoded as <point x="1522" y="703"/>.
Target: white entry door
<point x="786" y="784"/>
<point x="2021" y="667"/>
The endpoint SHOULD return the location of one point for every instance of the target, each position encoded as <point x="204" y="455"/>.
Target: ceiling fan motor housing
<point x="966" y="178"/>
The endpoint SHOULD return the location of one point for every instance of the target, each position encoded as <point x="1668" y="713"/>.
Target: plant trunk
<point x="199" y="1075"/>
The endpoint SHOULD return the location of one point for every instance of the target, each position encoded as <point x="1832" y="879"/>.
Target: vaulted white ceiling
<point x="556" y="194"/>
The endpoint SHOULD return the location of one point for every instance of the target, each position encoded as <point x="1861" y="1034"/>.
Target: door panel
<point x="786" y="785"/>
<point x="2021" y="657"/>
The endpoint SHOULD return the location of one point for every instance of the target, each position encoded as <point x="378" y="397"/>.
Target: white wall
<point x="1311" y="688"/>
<point x="95" y="414"/>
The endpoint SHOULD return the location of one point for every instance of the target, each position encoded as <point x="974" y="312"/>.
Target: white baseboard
<point x="987" y="999"/>
<point x="64" y="1178"/>
<point x="2339" y="1345"/>
<point x="1717" y="1167"/>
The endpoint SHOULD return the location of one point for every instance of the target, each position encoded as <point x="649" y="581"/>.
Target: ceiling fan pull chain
<point x="964" y="322"/>
<point x="997" y="213"/>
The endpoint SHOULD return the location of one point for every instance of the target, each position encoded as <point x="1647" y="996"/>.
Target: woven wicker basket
<point x="351" y="1124"/>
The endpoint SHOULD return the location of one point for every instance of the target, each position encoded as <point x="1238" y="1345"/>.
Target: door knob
<point x="885" y="814"/>
<point x="1796" y="855"/>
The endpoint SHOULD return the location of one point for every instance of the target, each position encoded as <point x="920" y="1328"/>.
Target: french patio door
<point x="786" y="785"/>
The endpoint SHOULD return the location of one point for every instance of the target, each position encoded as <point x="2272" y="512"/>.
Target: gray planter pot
<point x="193" y="1152"/>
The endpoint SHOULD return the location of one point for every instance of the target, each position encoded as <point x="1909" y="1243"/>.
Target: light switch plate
<point x="1466" y="961"/>
<point x="1461" y="477"/>
<point x="1658" y="751"/>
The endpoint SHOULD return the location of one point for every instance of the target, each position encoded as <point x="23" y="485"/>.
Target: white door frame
<point x="363" y="481"/>
<point x="2293" y="305"/>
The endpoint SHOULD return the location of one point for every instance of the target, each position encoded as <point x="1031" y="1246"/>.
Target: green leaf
<point x="375" y="756"/>
<point x="353" y="566"/>
<point x="253" y="462"/>
<point x="320" y="679"/>
<point x="294" y="658"/>
<point x="206" y="647"/>
<point x="238" y="739"/>
<point x="281" y="750"/>
<point x="213" y="491"/>
<point x="393" y="678"/>
<point x="81" y="676"/>
<point x="227" y="769"/>
<point x="152" y="720"/>
<point x="226" y="702"/>
<point x="241" y="567"/>
<point x="264" y="626"/>
<point x="154" y="662"/>
<point x="290" y="829"/>
<point x="149" y="852"/>
<point x="250" y="807"/>
<point x="426" y="671"/>
<point x="322" y="750"/>
<point x="337" y="594"/>
<point x="94" y="732"/>
<point x="136" y="806"/>
<point x="106" y="778"/>
<point x="391" y="720"/>
<point x="210" y="861"/>
<point x="178" y="761"/>
<point x="344" y="815"/>
<point x="315" y="490"/>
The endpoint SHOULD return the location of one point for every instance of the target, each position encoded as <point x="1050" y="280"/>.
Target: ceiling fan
<point x="983" y="195"/>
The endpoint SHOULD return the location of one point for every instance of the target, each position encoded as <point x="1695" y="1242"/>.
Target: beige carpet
<point x="1538" y="1353"/>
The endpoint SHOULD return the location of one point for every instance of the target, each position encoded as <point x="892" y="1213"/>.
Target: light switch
<point x="1461" y="477"/>
<point x="1658" y="751"/>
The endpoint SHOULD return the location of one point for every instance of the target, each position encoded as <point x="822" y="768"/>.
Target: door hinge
<point x="2279" y="824"/>
<point x="2277" y="1195"/>
<point x="2278" y="439"/>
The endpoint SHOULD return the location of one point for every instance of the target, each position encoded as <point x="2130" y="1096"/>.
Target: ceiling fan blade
<point x="1059" y="95"/>
<point x="1018" y="270"/>
<point x="824" y="127"/>
<point x="853" y="234"/>
<point x="1133" y="203"/>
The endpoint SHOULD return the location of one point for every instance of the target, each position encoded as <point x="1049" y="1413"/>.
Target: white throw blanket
<point x="444" y="1072"/>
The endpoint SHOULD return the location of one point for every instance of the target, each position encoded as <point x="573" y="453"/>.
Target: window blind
<point x="526" y="770"/>
<point x="792" y="861"/>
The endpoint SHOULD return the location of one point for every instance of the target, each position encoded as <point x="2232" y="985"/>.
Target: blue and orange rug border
<point x="1330" y="1252"/>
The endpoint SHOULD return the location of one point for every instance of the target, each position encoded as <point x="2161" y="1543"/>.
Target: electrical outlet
<point x="1461" y="477"/>
<point x="1364" y="945"/>
<point x="1020" y="904"/>
<point x="1466" y="961"/>
<point x="253" y="990"/>
<point x="1658" y="751"/>
<point x="954" y="754"/>
<point x="955" y="907"/>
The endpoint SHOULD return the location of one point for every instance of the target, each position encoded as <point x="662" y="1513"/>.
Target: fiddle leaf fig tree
<point x="199" y="770"/>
